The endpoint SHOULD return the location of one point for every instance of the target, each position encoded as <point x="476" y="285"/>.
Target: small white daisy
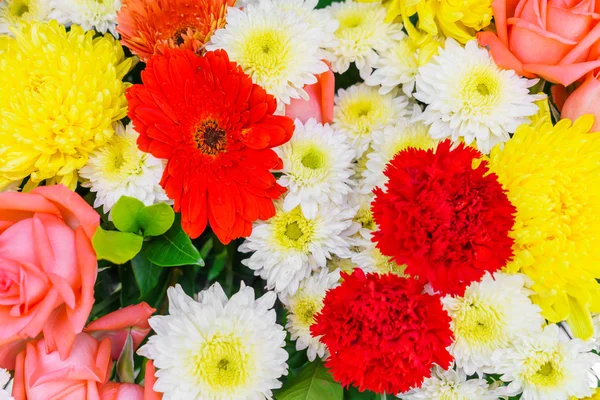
<point x="99" y="15"/>
<point x="302" y="308"/>
<point x="279" y="49"/>
<point x="546" y="365"/>
<point x="361" y="110"/>
<point x="119" y="168"/>
<point x="5" y="385"/>
<point x="451" y="385"/>
<point x="288" y="247"/>
<point x="317" y="167"/>
<point x="488" y="317"/>
<point x="468" y="96"/>
<point x="390" y="141"/>
<point x="14" y="12"/>
<point x="217" y="348"/>
<point x="362" y="35"/>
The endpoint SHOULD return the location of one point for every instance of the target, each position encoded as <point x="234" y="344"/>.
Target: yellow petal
<point x="580" y="319"/>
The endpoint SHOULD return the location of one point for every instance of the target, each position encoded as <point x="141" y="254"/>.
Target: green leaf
<point x="125" y="370"/>
<point x="146" y="273"/>
<point x="352" y="393"/>
<point x="116" y="247"/>
<point x="312" y="383"/>
<point x="173" y="249"/>
<point x="218" y="264"/>
<point x="156" y="219"/>
<point x="124" y="214"/>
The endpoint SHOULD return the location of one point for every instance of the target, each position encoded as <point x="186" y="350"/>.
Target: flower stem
<point x="383" y="396"/>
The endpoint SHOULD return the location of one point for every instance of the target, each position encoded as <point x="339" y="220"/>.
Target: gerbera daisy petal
<point x="208" y="151"/>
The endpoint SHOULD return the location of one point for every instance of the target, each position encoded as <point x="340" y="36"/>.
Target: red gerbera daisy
<point x="217" y="130"/>
<point x="447" y="221"/>
<point x="150" y="25"/>
<point x="384" y="334"/>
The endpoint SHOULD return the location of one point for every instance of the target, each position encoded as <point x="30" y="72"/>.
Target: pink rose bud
<point x="584" y="100"/>
<point x="320" y="102"/>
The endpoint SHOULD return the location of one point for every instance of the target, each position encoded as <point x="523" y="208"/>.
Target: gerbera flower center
<point x="305" y="309"/>
<point x="210" y="138"/>
<point x="223" y="363"/>
<point x="293" y="230"/>
<point x="544" y="370"/>
<point x="479" y="323"/>
<point x="265" y="52"/>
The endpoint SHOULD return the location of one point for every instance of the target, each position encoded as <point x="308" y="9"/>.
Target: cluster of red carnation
<point x="216" y="129"/>
<point x="443" y="217"/>
<point x="384" y="334"/>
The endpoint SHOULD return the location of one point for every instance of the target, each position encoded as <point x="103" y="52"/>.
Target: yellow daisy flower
<point x="552" y="175"/>
<point x="61" y="93"/>
<point x="456" y="19"/>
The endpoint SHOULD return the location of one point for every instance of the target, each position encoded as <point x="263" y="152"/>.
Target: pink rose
<point x="47" y="269"/>
<point x="117" y="325"/>
<point x="584" y="100"/>
<point x="320" y="103"/>
<point x="41" y="376"/>
<point x="129" y="391"/>
<point x="554" y="39"/>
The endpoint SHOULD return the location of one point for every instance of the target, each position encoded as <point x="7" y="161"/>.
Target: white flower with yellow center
<point x="302" y="308"/>
<point x="99" y="15"/>
<point x="288" y="247"/>
<point x="469" y="97"/>
<point x="488" y="317"/>
<point x="390" y="141"/>
<point x="317" y="167"/>
<point x="340" y="264"/>
<point x="14" y="12"/>
<point x="362" y="35"/>
<point x="5" y="385"/>
<point x="217" y="348"/>
<point x="360" y="111"/>
<point x="547" y="365"/>
<point x="371" y="260"/>
<point x="279" y="49"/>
<point x="451" y="385"/>
<point x="119" y="168"/>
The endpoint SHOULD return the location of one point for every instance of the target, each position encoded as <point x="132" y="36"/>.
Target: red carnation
<point x="383" y="333"/>
<point x="217" y="130"/>
<point x="443" y="218"/>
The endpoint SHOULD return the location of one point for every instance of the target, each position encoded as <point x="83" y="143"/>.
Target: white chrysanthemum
<point x="100" y="15"/>
<point x="317" y="18"/>
<point x="362" y="35"/>
<point x="119" y="168"/>
<point x="398" y="65"/>
<point x="289" y="246"/>
<point x="217" y="348"/>
<point x="360" y="110"/>
<point x="451" y="385"/>
<point x="317" y="167"/>
<point x="371" y="260"/>
<point x="488" y="317"/>
<point x="547" y="365"/>
<point x="302" y="308"/>
<point x="279" y="49"/>
<point x="14" y="12"/>
<point x="340" y="264"/>
<point x="387" y="143"/>
<point x="5" y="385"/>
<point x="468" y="96"/>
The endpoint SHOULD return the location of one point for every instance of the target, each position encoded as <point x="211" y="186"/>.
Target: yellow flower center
<point x="364" y="112"/>
<point x="18" y="7"/>
<point x="314" y="159"/>
<point x="364" y="216"/>
<point x="480" y="90"/>
<point x="292" y="230"/>
<point x="384" y="265"/>
<point x="265" y="53"/>
<point x="417" y="136"/>
<point x="479" y="324"/>
<point x="223" y="363"/>
<point x="309" y="163"/>
<point x="351" y="21"/>
<point x="305" y="309"/>
<point x="544" y="370"/>
<point x="119" y="159"/>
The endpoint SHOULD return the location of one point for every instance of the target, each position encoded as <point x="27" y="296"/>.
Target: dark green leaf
<point x="352" y="393"/>
<point x="116" y="247"/>
<point x="125" y="370"/>
<point x="124" y="214"/>
<point x="218" y="264"/>
<point x="156" y="219"/>
<point x="173" y="249"/>
<point x="312" y="383"/>
<point x="146" y="273"/>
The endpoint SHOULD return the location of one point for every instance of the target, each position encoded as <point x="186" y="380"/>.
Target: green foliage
<point x="116" y="247"/>
<point x="124" y="214"/>
<point x="173" y="249"/>
<point x="146" y="273"/>
<point x="312" y="383"/>
<point x="130" y="215"/>
<point x="125" y="366"/>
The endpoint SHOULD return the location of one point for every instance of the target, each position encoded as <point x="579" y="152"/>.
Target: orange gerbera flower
<point x="148" y="26"/>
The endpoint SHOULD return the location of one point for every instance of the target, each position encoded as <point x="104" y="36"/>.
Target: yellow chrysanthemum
<point x="552" y="176"/>
<point x="61" y="93"/>
<point x="456" y="19"/>
<point x="595" y="396"/>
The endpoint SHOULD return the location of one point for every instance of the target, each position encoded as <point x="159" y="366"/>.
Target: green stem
<point x="383" y="396"/>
